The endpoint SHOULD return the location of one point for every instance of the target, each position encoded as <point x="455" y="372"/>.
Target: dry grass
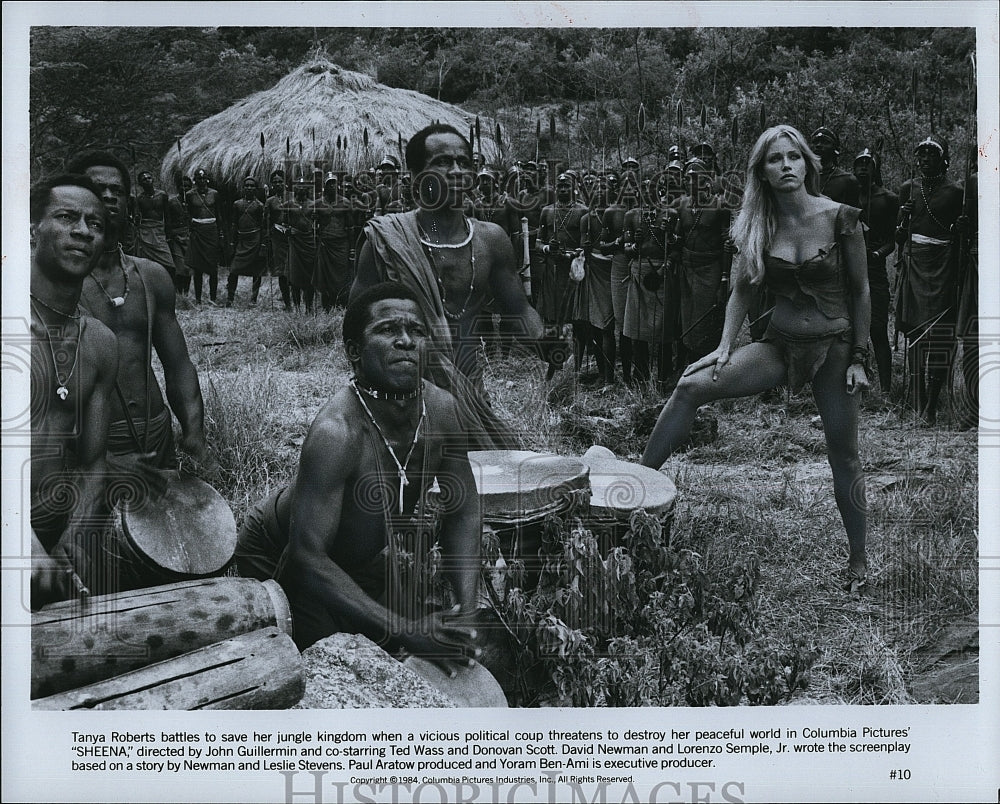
<point x="762" y="489"/>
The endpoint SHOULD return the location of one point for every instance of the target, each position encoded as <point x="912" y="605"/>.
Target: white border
<point x="956" y="746"/>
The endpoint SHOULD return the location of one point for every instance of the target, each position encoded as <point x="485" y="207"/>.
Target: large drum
<point x="257" y="670"/>
<point x="74" y="644"/>
<point x="189" y="532"/>
<point x="519" y="490"/>
<point x="518" y="487"/>
<point x="619" y="487"/>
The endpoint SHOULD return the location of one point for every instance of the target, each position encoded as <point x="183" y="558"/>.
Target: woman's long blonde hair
<point x="754" y="226"/>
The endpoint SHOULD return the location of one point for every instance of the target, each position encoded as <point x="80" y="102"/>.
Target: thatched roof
<point x="309" y="109"/>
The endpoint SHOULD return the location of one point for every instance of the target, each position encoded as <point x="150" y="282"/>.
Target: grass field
<point x="761" y="489"/>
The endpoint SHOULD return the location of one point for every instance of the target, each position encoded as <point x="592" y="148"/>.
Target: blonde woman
<point x="810" y="253"/>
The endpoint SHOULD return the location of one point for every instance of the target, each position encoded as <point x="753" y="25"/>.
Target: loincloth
<point x="804" y="355"/>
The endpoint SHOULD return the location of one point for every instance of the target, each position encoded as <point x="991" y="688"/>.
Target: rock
<point x="951" y="666"/>
<point x="950" y="682"/>
<point x="349" y="671"/>
<point x="471" y="687"/>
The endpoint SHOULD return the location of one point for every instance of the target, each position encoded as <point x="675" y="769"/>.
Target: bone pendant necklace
<point x="400" y="467"/>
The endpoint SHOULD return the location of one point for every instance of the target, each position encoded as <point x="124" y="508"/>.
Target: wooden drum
<point x="73" y="645"/>
<point x="258" y="670"/>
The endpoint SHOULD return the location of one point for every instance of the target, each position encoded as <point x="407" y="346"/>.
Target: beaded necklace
<point x="429" y="246"/>
<point x="62" y="389"/>
<point x="927" y="204"/>
<point x="400" y="467"/>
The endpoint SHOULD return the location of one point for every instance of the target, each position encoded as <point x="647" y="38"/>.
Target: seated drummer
<point x="74" y="360"/>
<point x="370" y="458"/>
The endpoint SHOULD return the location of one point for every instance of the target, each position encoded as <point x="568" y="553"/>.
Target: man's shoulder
<point x="98" y="335"/>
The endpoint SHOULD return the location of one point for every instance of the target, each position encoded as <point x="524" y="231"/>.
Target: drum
<point x="619" y="487"/>
<point x="73" y="645"/>
<point x="519" y="490"/>
<point x="518" y="487"/>
<point x="258" y="670"/>
<point x="188" y="533"/>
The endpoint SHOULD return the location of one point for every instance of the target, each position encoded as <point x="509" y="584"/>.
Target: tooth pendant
<point x="118" y="301"/>
<point x="62" y="392"/>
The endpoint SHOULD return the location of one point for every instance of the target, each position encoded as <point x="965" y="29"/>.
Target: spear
<point x="538" y="137"/>
<point x="499" y="138"/>
<point x="262" y="164"/>
<point x="552" y="127"/>
<point x="472" y="136"/>
<point x="680" y="124"/>
<point x="479" y="136"/>
<point x="762" y="120"/>
<point x="399" y="145"/>
<point x="900" y="251"/>
<point x="704" y="117"/>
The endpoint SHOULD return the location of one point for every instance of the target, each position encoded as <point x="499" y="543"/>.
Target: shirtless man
<point x="178" y="230"/>
<point x="834" y="182"/>
<point x="74" y="360"/>
<point x="456" y="264"/>
<point x="135" y="299"/>
<point x="205" y="250"/>
<point x="559" y="233"/>
<point x="879" y="211"/>
<point x="247" y="240"/>
<point x="368" y="462"/>
<point x="926" y="304"/>
<point x="623" y="198"/>
<point x="151" y="209"/>
<point x="276" y="237"/>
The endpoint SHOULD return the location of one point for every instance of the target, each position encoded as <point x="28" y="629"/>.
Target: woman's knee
<point x="694" y="388"/>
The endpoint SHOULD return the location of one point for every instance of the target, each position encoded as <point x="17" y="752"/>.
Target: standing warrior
<point x="879" y="212"/>
<point x="135" y="299"/>
<point x="599" y="314"/>
<point x="247" y="242"/>
<point x="559" y="232"/>
<point x="301" y="221"/>
<point x="456" y="264"/>
<point x="74" y="361"/>
<point x="647" y="230"/>
<point x="205" y="249"/>
<point x="530" y="201"/>
<point x="927" y="298"/>
<point x="967" y="326"/>
<point x="276" y="237"/>
<point x="834" y="182"/>
<point x="622" y="197"/>
<point x="493" y="206"/>
<point x="334" y="222"/>
<point x="702" y="230"/>
<point x="178" y="229"/>
<point x="387" y="191"/>
<point x="151" y="209"/>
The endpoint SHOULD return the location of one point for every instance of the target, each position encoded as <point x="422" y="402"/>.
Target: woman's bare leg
<point x="839" y="412"/>
<point x="751" y="369"/>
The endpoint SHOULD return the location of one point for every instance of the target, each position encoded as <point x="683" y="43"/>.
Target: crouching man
<point x="344" y="537"/>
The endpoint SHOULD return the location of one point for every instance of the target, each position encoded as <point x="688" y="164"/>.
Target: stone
<point x="349" y="671"/>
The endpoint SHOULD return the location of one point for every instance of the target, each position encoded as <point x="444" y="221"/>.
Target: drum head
<point x="619" y="487"/>
<point x="521" y="486"/>
<point x="189" y="532"/>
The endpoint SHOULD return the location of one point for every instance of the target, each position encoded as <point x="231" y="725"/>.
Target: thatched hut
<point x="319" y="115"/>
